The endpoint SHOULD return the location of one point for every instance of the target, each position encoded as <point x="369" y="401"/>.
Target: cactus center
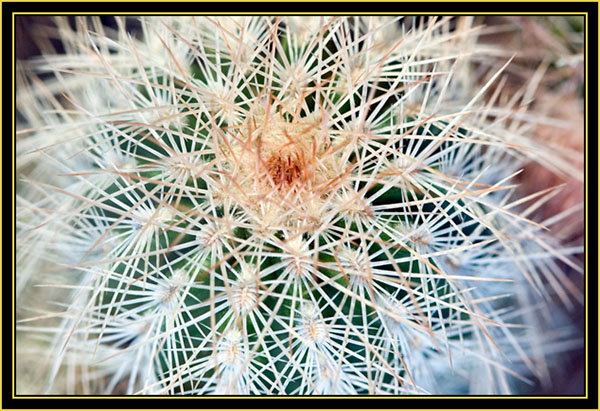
<point x="285" y="169"/>
<point x="275" y="164"/>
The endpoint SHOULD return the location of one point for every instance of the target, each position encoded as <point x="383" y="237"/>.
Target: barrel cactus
<point x="282" y="206"/>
